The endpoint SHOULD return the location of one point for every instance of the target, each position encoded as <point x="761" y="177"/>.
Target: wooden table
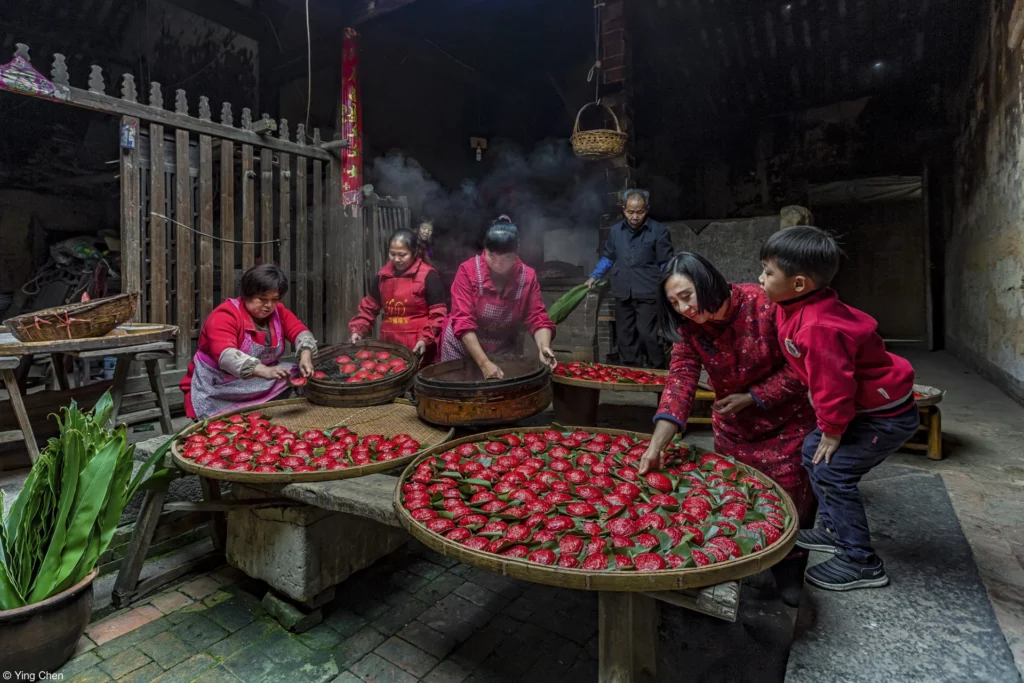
<point x="298" y="415"/>
<point x="130" y="342"/>
<point x="627" y="600"/>
<point x="576" y="401"/>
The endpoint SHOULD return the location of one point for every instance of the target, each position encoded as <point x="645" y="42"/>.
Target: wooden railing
<point x="382" y="216"/>
<point x="201" y="201"/>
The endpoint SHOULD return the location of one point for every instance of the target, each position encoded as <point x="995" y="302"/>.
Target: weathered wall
<point x="984" y="291"/>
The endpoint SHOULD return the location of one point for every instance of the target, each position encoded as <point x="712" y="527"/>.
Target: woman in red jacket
<point x="493" y="296"/>
<point x="410" y="293"/>
<point x="237" y="364"/>
<point x="761" y="414"/>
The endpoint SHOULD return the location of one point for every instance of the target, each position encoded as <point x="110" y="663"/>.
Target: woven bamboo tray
<point x="628" y="581"/>
<point x="129" y="334"/>
<point x="74" y="321"/>
<point x="299" y="415"/>
<point x="608" y="386"/>
<point x="930" y="395"/>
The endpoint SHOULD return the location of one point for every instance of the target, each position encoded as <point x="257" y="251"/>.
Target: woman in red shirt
<point x="410" y="293"/>
<point x="761" y="414"/>
<point x="494" y="295"/>
<point x="237" y="364"/>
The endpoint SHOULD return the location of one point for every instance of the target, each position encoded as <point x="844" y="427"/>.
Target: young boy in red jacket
<point x="863" y="398"/>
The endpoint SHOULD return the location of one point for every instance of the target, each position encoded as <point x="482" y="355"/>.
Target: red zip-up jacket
<point x="837" y="352"/>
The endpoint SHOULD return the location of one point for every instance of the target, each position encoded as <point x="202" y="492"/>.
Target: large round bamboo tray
<point x="297" y="414"/>
<point x="623" y="581"/>
<point x="334" y="392"/>
<point x="930" y="396"/>
<point x="129" y="334"/>
<point x="609" y="386"/>
<point x="83" y="320"/>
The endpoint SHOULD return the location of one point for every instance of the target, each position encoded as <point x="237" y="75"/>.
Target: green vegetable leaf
<point x="74" y="451"/>
<point x="103" y="408"/>
<point x="89" y="499"/>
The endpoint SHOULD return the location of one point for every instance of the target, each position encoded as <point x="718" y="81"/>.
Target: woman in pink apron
<point x="238" y="363"/>
<point x="494" y="295"/>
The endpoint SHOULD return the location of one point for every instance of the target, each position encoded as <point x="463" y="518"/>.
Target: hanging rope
<point x="595" y="71"/>
<point x="214" y="237"/>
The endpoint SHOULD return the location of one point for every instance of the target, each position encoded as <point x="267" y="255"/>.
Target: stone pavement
<point x="415" y="616"/>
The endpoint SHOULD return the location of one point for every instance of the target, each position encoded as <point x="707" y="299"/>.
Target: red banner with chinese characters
<point x="351" y="121"/>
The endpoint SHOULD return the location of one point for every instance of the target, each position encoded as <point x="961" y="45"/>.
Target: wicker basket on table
<point x="598" y="143"/>
<point x="84" y="320"/>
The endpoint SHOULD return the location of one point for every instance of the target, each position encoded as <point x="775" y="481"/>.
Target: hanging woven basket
<point x="598" y="143"/>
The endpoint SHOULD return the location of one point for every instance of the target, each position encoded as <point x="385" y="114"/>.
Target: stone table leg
<point x="575" y="406"/>
<point x="627" y="626"/>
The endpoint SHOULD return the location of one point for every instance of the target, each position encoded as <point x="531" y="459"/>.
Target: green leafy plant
<point x="567" y="303"/>
<point x="67" y="512"/>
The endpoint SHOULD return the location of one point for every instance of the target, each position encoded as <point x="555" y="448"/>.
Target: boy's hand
<point x="827" y="447"/>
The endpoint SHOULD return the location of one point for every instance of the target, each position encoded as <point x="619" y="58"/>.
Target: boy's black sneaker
<point x="818" y="538"/>
<point x="840" y="574"/>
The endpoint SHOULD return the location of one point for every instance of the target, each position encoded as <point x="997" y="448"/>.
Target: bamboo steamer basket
<point x="84" y="320"/>
<point x="613" y="580"/>
<point x="299" y="415"/>
<point x="455" y="394"/>
<point x="334" y="392"/>
<point x="609" y="386"/>
<point x="598" y="143"/>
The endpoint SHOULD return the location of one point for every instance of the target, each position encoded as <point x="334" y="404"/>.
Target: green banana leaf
<point x="10" y="593"/>
<point x="567" y="303"/>
<point x="89" y="497"/>
<point x="74" y="451"/>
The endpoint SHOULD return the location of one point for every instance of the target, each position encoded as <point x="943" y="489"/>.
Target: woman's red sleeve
<point x="464" y="296"/>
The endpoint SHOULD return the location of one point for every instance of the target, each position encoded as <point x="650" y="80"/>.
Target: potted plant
<point x="59" y="525"/>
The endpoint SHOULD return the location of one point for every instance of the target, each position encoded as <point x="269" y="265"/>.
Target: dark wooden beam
<point x="228" y="13"/>
<point x="371" y="9"/>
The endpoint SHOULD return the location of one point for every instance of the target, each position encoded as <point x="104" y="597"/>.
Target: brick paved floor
<point x="414" y="616"/>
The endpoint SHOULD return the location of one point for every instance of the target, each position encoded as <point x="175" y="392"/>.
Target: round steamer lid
<point x="465" y="373"/>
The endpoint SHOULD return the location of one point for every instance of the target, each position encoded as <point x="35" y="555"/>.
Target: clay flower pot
<point x="42" y="636"/>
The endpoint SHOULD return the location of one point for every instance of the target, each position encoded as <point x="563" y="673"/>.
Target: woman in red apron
<point x="494" y="295"/>
<point x="761" y="413"/>
<point x="410" y="294"/>
<point x="237" y="364"/>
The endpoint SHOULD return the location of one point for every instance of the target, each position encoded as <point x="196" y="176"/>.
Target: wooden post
<point x="627" y="627"/>
<point x="227" y="219"/>
<point x="343" y="260"/>
<point x="575" y="405"/>
<point x="284" y="181"/>
<point x="186" y="275"/>
<point x="205" y="227"/>
<point x="158" y="280"/>
<point x="301" y="237"/>
<point x="318" y="247"/>
<point x="248" y="209"/>
<point x="267" y="232"/>
<point x="131" y="226"/>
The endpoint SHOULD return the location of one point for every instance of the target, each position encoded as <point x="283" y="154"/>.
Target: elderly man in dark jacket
<point x="637" y="249"/>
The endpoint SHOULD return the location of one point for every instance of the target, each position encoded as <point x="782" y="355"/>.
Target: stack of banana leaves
<point x="66" y="515"/>
<point x="567" y="303"/>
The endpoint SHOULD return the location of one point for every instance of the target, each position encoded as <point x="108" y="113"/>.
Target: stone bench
<point x="303" y="551"/>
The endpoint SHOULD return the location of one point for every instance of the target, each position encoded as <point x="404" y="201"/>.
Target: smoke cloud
<point x="555" y="198"/>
